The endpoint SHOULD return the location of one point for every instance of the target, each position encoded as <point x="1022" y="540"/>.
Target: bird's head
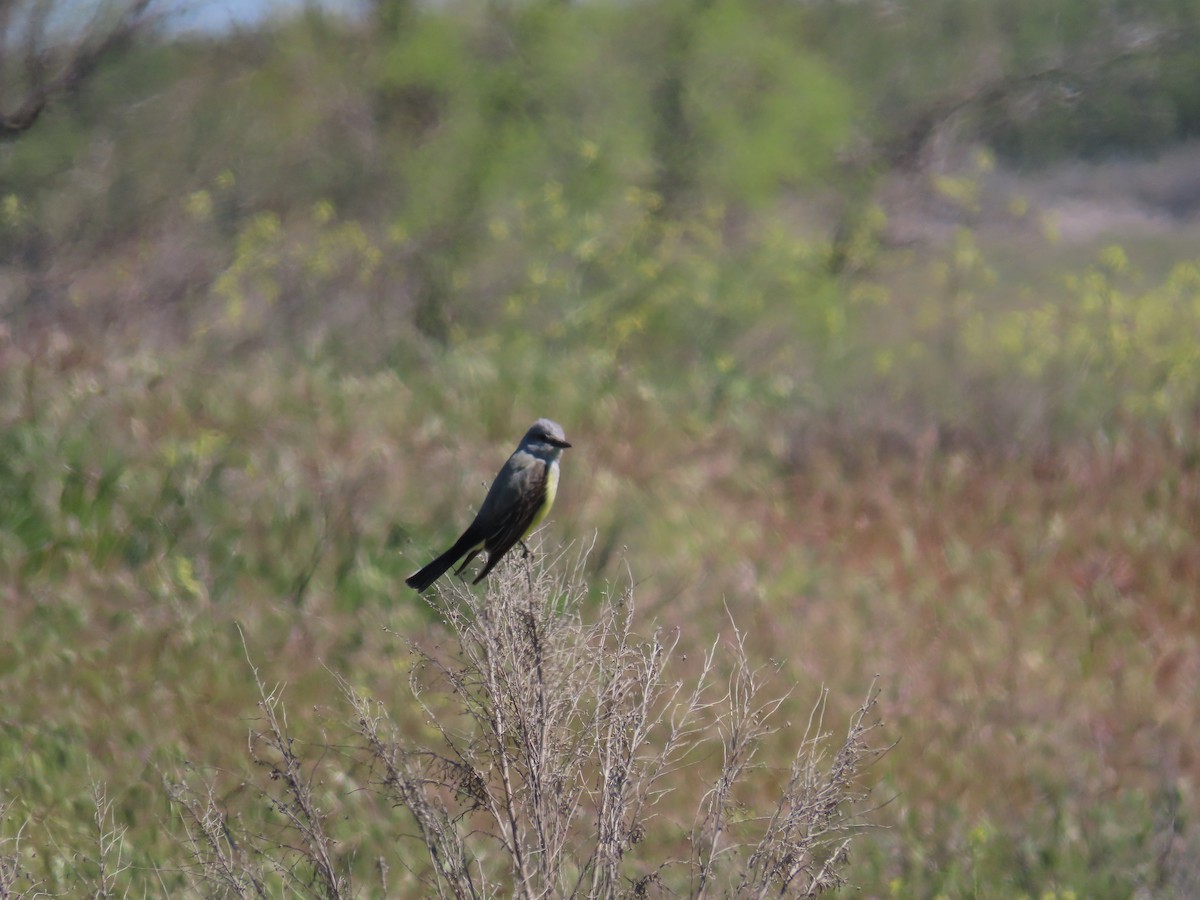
<point x="546" y="437"/>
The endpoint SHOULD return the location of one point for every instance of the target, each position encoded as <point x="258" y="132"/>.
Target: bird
<point x="516" y="503"/>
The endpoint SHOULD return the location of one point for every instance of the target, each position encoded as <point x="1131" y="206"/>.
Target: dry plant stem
<point x="742" y="729"/>
<point x="406" y="786"/>
<point x="540" y="751"/>
<point x="299" y="808"/>
<point x="506" y="813"/>
<point x="220" y="862"/>
<point x="14" y="880"/>
<point x="811" y="812"/>
<point x="307" y="868"/>
<point x="619" y="739"/>
<point x="110" y="843"/>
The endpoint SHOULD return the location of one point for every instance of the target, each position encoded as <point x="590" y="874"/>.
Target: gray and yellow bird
<point x="516" y="503"/>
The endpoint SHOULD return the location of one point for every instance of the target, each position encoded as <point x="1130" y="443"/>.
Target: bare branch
<point x="15" y="879"/>
<point x="274" y="749"/>
<point x="50" y="68"/>
<point x="222" y="862"/>
<point x="904" y="148"/>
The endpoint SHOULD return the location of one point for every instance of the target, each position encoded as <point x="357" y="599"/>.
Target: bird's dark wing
<point x="513" y="521"/>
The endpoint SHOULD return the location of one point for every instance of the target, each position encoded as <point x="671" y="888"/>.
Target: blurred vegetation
<point x="277" y="300"/>
<point x="1038" y="80"/>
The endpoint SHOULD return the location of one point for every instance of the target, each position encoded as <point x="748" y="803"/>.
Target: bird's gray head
<point x="545" y="437"/>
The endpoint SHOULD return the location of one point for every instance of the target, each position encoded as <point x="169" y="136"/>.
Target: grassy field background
<point x="275" y="314"/>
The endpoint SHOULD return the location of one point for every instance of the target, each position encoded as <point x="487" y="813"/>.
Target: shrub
<point x="556" y="759"/>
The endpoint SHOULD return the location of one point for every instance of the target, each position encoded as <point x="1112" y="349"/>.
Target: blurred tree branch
<point x="904" y="148"/>
<point x="43" y="57"/>
<point x="908" y="133"/>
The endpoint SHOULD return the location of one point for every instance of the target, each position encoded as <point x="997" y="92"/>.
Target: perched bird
<point x="515" y="504"/>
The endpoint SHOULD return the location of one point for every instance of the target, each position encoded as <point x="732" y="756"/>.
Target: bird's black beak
<point x="557" y="443"/>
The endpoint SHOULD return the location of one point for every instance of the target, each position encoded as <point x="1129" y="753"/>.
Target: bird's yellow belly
<point x="551" y="490"/>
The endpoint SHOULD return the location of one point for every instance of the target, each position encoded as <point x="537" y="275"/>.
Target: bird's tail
<point x="419" y="581"/>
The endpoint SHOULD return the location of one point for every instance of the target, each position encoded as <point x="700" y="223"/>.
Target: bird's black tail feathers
<point x="421" y="580"/>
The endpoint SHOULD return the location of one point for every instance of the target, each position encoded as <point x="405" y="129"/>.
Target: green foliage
<point x="1108" y="851"/>
<point x="1109" y="348"/>
<point x="620" y="279"/>
<point x="1113" y="350"/>
<point x="278" y="278"/>
<point x="1097" y="96"/>
<point x="765" y="112"/>
<point x="503" y="99"/>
